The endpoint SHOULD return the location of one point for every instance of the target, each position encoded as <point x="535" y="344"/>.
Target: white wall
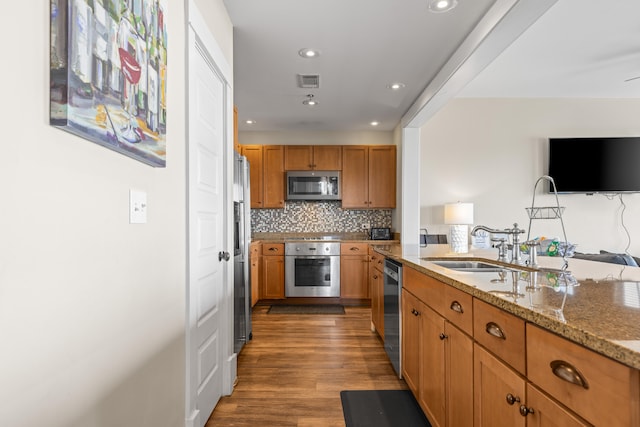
<point x="492" y="151"/>
<point x="316" y="138"/>
<point x="91" y="308"/>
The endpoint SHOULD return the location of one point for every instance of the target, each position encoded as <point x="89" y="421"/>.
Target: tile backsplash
<point x="316" y="217"/>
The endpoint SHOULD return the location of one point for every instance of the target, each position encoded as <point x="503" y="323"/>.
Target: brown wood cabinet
<point x="598" y="389"/>
<point x="313" y="157"/>
<point x="501" y="333"/>
<point x="464" y="359"/>
<point x="255" y="255"/>
<point x="266" y="164"/>
<point x="274" y="176"/>
<point x="369" y="176"/>
<point x="273" y="271"/>
<point x="376" y="291"/>
<point x="354" y="270"/>
<point x="498" y="392"/>
<point x="254" y="154"/>
<point x="412" y="342"/>
<point x="444" y="373"/>
<point x="236" y="140"/>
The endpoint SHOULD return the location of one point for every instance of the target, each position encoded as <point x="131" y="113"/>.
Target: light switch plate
<point x="137" y="207"/>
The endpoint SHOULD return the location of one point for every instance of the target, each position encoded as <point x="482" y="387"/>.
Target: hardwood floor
<point x="292" y="371"/>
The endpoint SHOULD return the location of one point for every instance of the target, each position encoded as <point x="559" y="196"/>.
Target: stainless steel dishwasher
<point x="392" y="315"/>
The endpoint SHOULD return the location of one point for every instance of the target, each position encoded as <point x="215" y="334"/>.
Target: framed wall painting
<point x="108" y="74"/>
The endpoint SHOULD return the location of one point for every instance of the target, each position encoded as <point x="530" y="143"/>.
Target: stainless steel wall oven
<point x="312" y="269"/>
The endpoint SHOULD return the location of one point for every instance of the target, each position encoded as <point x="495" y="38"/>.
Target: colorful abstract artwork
<point x="109" y="74"/>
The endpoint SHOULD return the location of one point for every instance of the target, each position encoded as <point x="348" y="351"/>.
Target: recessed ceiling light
<point x="439" y="6"/>
<point x="374" y="123"/>
<point x="310" y="101"/>
<point x="250" y="122"/>
<point x="309" y="53"/>
<point x="395" y="86"/>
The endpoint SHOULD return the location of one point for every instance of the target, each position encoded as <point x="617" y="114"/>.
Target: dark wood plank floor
<point x="293" y="370"/>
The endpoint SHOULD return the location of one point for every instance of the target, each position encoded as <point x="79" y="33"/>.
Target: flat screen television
<point x="595" y="165"/>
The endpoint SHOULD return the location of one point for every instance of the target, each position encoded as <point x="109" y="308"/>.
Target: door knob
<point x="223" y="255"/>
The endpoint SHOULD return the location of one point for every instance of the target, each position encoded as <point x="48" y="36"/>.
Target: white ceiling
<point x="576" y="49"/>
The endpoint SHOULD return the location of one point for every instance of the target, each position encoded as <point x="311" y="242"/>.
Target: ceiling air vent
<point x="308" y="81"/>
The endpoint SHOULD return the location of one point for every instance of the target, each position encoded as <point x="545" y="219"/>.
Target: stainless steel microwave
<point x="313" y="185"/>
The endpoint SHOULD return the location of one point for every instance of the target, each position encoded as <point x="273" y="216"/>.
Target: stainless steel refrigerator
<point x="242" y="239"/>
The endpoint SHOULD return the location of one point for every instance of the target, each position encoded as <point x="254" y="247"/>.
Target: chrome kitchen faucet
<point x="515" y="232"/>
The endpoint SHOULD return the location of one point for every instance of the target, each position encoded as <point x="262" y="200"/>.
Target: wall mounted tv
<point x="595" y="165"/>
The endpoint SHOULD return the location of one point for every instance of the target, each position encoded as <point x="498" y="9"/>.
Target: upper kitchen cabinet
<point x="266" y="165"/>
<point x="313" y="157"/>
<point x="236" y="140"/>
<point x="369" y="180"/>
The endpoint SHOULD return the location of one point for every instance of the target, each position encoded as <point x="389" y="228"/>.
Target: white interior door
<point x="207" y="272"/>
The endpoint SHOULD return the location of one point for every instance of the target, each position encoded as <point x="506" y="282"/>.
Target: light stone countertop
<point x="601" y="311"/>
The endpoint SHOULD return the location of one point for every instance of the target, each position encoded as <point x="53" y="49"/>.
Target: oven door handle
<point x="312" y="256"/>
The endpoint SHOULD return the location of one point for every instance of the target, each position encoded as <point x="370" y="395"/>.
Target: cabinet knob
<point x="415" y="312"/>
<point x="511" y="399"/>
<point x="524" y="411"/>
<point x="443" y="336"/>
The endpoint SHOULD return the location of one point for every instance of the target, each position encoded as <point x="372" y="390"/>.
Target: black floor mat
<point x="306" y="309"/>
<point x="382" y="408"/>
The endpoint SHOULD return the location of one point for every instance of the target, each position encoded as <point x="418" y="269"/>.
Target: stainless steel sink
<point x="470" y="266"/>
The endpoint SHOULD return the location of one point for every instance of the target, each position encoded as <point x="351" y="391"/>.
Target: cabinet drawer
<point x="272" y="249"/>
<point x="429" y="290"/>
<point x="500" y="332"/>
<point x="458" y="309"/>
<point x="600" y="390"/>
<point x="354" y="249"/>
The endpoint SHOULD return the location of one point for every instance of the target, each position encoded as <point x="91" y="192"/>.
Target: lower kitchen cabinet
<point x="354" y="270"/>
<point x="255" y="254"/>
<point x="596" y="388"/>
<point x="464" y="361"/>
<point x="438" y="364"/>
<point x="548" y="413"/>
<point x="273" y="271"/>
<point x="411" y="341"/>
<point x="498" y="392"/>
<point x="376" y="291"/>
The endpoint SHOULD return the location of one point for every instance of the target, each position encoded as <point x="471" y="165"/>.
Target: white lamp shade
<point x="458" y="213"/>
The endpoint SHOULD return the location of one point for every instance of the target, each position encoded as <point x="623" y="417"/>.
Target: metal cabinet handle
<point x="224" y="255"/>
<point x="415" y="312"/>
<point x="567" y="372"/>
<point x="495" y="330"/>
<point x="272" y="249"/>
<point x="524" y="411"/>
<point x="354" y="248"/>
<point x="511" y="399"/>
<point x="443" y="336"/>
<point x="457" y="307"/>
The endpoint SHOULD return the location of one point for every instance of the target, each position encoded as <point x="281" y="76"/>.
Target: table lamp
<point x="459" y="216"/>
